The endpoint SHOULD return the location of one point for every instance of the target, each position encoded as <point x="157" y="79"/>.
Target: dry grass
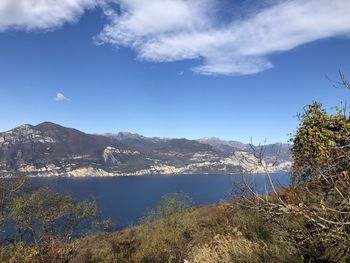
<point x="231" y="249"/>
<point x="226" y="249"/>
<point x="217" y="233"/>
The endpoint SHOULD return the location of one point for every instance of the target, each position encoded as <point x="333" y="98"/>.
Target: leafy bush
<point x="320" y="142"/>
<point x="20" y="253"/>
<point x="41" y="225"/>
<point x="44" y="213"/>
<point x="166" y="231"/>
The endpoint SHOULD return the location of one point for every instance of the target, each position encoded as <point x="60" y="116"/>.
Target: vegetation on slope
<point x="221" y="233"/>
<point x="308" y="222"/>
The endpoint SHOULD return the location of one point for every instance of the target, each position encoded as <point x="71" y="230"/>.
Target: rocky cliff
<point x="49" y="149"/>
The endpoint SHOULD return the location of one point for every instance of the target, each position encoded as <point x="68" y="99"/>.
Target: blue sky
<point x="171" y="68"/>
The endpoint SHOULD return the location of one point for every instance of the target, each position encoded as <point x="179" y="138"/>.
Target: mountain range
<point x="49" y="149"/>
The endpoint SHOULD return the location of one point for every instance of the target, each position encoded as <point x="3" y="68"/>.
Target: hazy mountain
<point x="224" y="146"/>
<point x="145" y="144"/>
<point x="280" y="151"/>
<point x="49" y="149"/>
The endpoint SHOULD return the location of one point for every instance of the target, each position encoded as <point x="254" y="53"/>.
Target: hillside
<point x="222" y="233"/>
<point x="49" y="149"/>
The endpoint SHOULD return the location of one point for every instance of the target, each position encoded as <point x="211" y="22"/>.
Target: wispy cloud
<point x="175" y="30"/>
<point x="41" y="14"/>
<point x="60" y="97"/>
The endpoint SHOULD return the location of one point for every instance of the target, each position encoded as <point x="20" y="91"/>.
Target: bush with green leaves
<point x="321" y="142"/>
<point x="166" y="231"/>
<point x="41" y="225"/>
<point x="44" y="213"/>
<point x="10" y="189"/>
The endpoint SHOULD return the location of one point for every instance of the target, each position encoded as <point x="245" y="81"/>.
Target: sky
<point x="234" y="69"/>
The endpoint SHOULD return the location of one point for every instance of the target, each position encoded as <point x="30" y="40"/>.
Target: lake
<point x="126" y="199"/>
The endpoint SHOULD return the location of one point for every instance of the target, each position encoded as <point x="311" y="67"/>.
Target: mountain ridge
<point x="49" y="149"/>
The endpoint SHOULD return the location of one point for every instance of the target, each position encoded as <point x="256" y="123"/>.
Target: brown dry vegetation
<point x="308" y="222"/>
<point x="216" y="233"/>
<point x="227" y="232"/>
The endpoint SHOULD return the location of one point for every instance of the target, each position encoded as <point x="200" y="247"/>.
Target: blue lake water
<point x="126" y="199"/>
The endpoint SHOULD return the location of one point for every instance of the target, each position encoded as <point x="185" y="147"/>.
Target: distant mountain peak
<point x="223" y="145"/>
<point x="54" y="150"/>
<point x="210" y="138"/>
<point x="50" y="125"/>
<point x="123" y="134"/>
<point x="24" y="127"/>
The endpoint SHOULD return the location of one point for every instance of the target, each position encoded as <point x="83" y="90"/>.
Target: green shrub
<point x="20" y="253"/>
<point x="166" y="231"/>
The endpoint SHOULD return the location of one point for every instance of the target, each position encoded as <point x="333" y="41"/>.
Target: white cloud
<point x="173" y="30"/>
<point x="40" y="14"/>
<point x="60" y="97"/>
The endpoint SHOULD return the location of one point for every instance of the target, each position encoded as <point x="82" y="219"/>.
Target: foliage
<point x="166" y="231"/>
<point x="41" y="225"/>
<point x="309" y="221"/>
<point x="51" y="251"/>
<point x="313" y="215"/>
<point x="320" y="141"/>
<point x="321" y="154"/>
<point x="9" y="190"/>
<point x="20" y="253"/>
<point x="44" y="213"/>
<point x="218" y="233"/>
<point x="169" y="205"/>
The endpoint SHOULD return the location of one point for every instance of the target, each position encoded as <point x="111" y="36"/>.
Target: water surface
<point x="126" y="199"/>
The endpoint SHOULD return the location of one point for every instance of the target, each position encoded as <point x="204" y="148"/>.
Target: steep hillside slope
<point x="49" y="149"/>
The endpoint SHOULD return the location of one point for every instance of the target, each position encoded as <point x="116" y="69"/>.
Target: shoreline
<point x="138" y="175"/>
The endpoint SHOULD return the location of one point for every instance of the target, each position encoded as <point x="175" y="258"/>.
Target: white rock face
<point x="111" y="154"/>
<point x="23" y="134"/>
<point x="28" y="169"/>
<point x="108" y="156"/>
<point x="203" y="156"/>
<point x="252" y="164"/>
<point x="88" y="171"/>
<point x="49" y="157"/>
